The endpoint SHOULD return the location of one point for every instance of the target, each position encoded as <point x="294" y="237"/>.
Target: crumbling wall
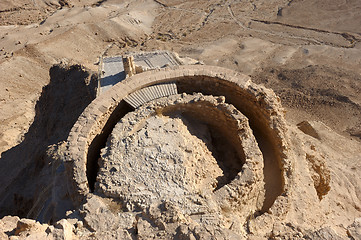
<point x="257" y="103"/>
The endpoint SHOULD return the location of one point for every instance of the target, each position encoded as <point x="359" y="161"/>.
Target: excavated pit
<point x="268" y="142"/>
<point x="100" y="140"/>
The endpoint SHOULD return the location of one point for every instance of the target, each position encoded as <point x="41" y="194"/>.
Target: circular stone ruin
<point x="210" y="160"/>
<point x="194" y="151"/>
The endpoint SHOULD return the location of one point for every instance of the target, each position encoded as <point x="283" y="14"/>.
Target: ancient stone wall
<point x="258" y="104"/>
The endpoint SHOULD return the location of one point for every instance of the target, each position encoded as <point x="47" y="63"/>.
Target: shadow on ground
<point x="27" y="170"/>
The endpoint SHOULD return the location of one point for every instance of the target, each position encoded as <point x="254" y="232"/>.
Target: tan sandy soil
<point x="308" y="52"/>
<point x="217" y="33"/>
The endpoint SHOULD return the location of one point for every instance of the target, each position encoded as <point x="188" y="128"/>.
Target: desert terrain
<point x="308" y="52"/>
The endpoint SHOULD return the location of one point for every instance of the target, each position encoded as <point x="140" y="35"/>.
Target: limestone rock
<point x="354" y="230"/>
<point x="326" y="233"/>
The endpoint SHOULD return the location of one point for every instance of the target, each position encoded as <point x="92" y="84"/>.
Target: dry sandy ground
<point x="308" y="52"/>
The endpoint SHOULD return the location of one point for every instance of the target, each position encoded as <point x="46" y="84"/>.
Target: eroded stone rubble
<point x="160" y="159"/>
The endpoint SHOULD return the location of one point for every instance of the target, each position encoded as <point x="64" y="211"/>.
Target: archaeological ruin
<point x="213" y="151"/>
<point x="162" y="147"/>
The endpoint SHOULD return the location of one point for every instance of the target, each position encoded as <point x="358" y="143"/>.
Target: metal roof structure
<point x="112" y="68"/>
